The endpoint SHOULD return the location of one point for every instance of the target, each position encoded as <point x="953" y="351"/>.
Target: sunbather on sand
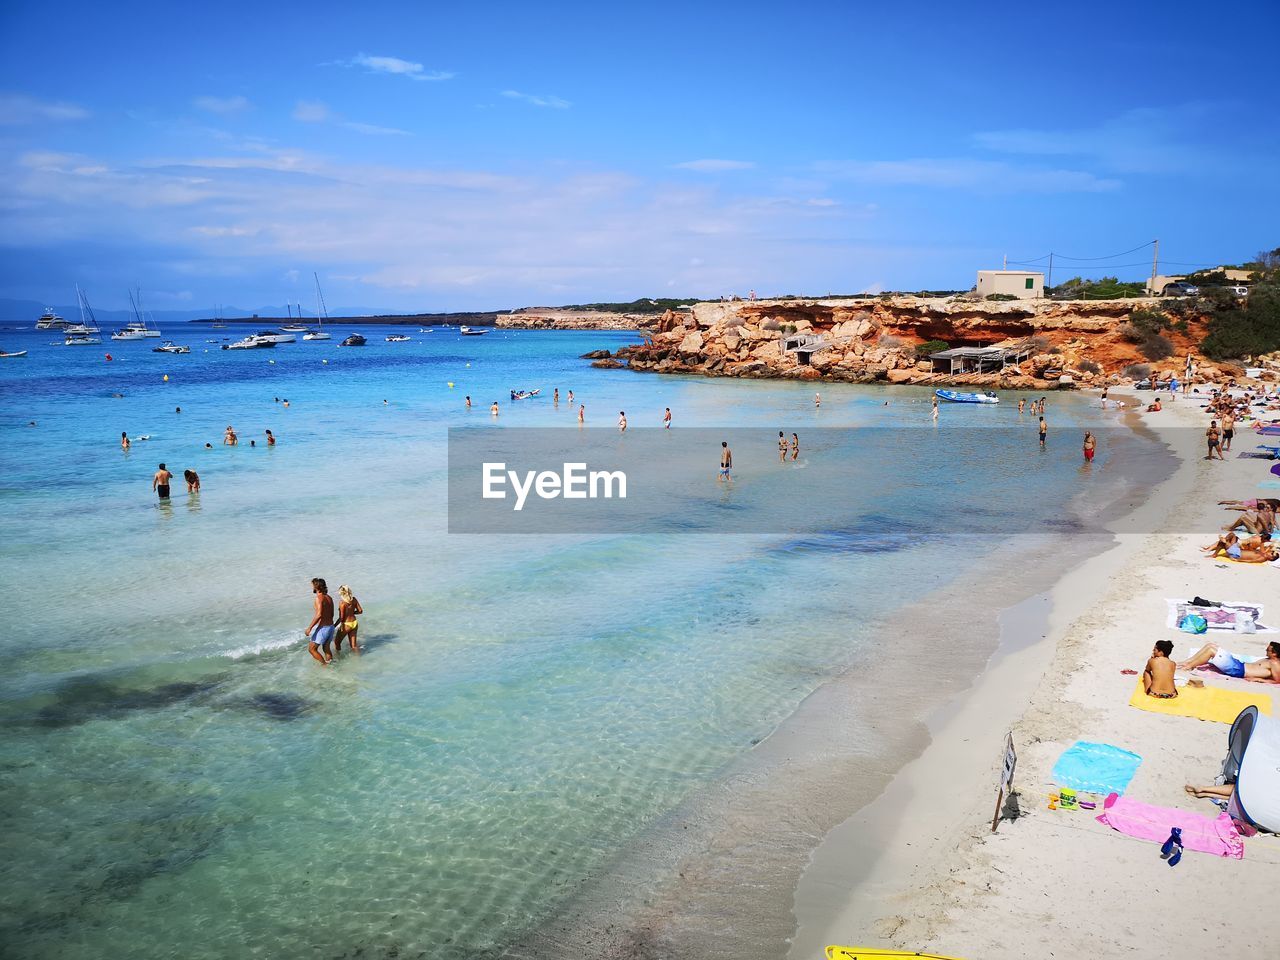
<point x="1215" y="791"/>
<point x="1267" y="671"/>
<point x="1272" y="502"/>
<point x="1261" y="520"/>
<point x="1157" y="678"/>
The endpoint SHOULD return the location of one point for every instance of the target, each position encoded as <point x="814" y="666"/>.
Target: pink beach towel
<point x="1137" y="819"/>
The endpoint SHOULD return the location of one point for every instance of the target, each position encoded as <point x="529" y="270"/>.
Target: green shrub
<point x="1000" y="296"/>
<point x="1156" y="347"/>
<point x="1088" y="366"/>
<point x="932" y="346"/>
<point x="1138" y="371"/>
<point x="1148" y="321"/>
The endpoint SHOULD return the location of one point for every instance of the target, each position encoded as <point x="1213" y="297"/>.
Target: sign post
<point x="1006" y="778"/>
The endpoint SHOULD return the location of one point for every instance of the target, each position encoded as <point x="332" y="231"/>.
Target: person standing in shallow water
<point x="1022" y="404"/>
<point x="782" y="446"/>
<point x="160" y="482"/>
<point x="348" y="626"/>
<point x="726" y="460"/>
<point x="1044" y="431"/>
<point x="124" y="440"/>
<point x="622" y="421"/>
<point x="666" y="419"/>
<point x="795" y="447"/>
<point x="582" y="413"/>
<point x="1089" y="445"/>
<point x="320" y="629"/>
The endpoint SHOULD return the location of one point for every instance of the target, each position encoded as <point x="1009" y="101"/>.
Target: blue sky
<point x="423" y="157"/>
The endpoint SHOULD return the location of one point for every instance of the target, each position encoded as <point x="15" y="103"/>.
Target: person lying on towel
<point x="1255" y="549"/>
<point x="1267" y="670"/>
<point x="1157" y="678"/>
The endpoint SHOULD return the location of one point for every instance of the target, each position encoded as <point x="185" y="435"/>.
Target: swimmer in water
<point x="124" y="440"/>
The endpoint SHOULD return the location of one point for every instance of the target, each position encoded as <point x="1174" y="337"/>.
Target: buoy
<point x="270" y="361"/>
<point x="468" y="364"/>
<point x="324" y="361"/>
<point x="450" y="384"/>
<point x="166" y="378"/>
<point x="108" y="356"/>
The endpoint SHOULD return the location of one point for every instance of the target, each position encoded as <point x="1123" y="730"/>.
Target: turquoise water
<point x="183" y="780"/>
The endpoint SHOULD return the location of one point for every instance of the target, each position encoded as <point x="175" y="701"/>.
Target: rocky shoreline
<point x="875" y="339"/>
<point x="549" y="318"/>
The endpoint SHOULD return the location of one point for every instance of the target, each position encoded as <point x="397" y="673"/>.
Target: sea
<point x="181" y="779"/>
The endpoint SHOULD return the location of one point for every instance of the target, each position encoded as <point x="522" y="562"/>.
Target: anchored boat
<point x="954" y="397"/>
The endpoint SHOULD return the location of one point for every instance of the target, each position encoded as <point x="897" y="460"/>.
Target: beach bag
<point x="1193" y="623"/>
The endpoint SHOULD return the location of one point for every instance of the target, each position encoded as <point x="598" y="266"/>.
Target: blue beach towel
<point x="1095" y="767"/>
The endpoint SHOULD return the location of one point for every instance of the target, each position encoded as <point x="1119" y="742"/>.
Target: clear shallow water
<point x="183" y="780"/>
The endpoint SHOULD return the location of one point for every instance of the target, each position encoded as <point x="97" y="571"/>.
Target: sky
<point x="430" y="157"/>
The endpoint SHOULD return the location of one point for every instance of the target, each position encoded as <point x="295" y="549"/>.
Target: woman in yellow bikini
<point x="348" y="609"/>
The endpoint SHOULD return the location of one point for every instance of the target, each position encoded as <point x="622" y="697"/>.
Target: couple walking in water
<point x="324" y="629"/>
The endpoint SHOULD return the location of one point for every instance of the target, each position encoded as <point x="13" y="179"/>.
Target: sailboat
<point x="217" y="318"/>
<point x="88" y="322"/>
<point x="321" y="314"/>
<point x="292" y="327"/>
<point x="135" y="329"/>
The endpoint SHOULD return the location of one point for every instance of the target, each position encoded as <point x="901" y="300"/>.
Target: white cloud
<point x="17" y="108"/>
<point x="375" y="130"/>
<point x="312" y="111"/>
<point x="223" y="105"/>
<point x="397" y="67"/>
<point x="983" y="176"/>
<point x="714" y="166"/>
<point x="538" y="100"/>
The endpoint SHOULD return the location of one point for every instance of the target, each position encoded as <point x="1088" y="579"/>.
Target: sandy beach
<point x="919" y="869"/>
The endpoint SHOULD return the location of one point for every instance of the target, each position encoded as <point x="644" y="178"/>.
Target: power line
<point x="1143" y="246"/>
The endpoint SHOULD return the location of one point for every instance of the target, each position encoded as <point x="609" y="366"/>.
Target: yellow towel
<point x="1203" y="703"/>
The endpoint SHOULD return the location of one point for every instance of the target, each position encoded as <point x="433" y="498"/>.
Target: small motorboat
<point x="250" y="342"/>
<point x="294" y="328"/>
<point x="396" y="338"/>
<point x="170" y="347"/>
<point x="316" y="335"/>
<point x="424" y="329"/>
<point x="954" y="397"/>
<point x="276" y="337"/>
<point x="355" y="340"/>
<point x="16" y="353"/>
<point x="81" y="340"/>
<point x="471" y="332"/>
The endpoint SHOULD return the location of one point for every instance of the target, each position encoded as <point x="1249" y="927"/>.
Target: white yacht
<point x="251" y="342"/>
<point x="471" y="332"/>
<point x="51" y="321"/>
<point x="275" y="336"/>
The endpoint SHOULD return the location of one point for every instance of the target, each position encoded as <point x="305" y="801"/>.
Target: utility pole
<point x="1155" y="266"/>
<point x="1006" y="262"/>
<point x="1049" y="279"/>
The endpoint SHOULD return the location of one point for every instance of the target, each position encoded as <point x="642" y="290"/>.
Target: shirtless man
<point x="493" y="409"/>
<point x="726" y="460"/>
<point x="1214" y="441"/>
<point x="321" y="623"/>
<point x="1266" y="671"/>
<point x="229" y="438"/>
<point x="1157" y="678"/>
<point x="622" y="421"/>
<point x="160" y="482"/>
<point x="666" y="419"/>
<point x="1044" y="431"/>
<point x="1228" y="431"/>
<point x="1022" y="403"/>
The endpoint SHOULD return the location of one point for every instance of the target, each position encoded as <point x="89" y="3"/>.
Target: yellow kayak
<point x="875" y="953"/>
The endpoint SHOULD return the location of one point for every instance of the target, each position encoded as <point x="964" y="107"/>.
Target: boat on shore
<point x="954" y="397"/>
<point x="471" y="332"/>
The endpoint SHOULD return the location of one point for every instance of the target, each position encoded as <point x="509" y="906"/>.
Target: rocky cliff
<point x="548" y="318"/>
<point x="875" y="339"/>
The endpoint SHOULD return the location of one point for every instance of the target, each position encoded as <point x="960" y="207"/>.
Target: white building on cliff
<point x="1014" y="283"/>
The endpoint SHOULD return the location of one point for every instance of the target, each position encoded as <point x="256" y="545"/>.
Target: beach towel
<point x="1217" y="836"/>
<point x="1202" y="703"/>
<point x="1220" y="618"/>
<point x="1095" y="767"/>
